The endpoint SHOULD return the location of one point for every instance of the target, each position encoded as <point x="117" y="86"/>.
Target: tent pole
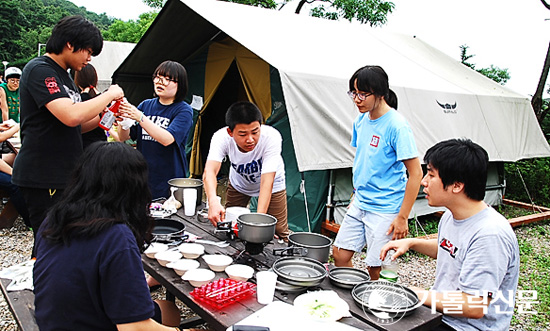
<point x="303" y="190"/>
<point x="329" y="196"/>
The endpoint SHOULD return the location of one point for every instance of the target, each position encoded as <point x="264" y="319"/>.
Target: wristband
<point x="141" y="118"/>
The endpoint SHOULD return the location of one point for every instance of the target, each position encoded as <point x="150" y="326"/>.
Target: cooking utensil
<point x="220" y="244"/>
<point x="313" y="245"/>
<point x="347" y="277"/>
<point x="300" y="271"/>
<point x="182" y="183"/>
<point x="256" y="227"/>
<point x="385" y="297"/>
<point x="167" y="230"/>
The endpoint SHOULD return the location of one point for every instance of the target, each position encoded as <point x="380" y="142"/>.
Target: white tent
<point x="111" y="56"/>
<point x="440" y="97"/>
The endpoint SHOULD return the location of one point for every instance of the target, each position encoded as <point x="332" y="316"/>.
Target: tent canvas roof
<point x="439" y="96"/>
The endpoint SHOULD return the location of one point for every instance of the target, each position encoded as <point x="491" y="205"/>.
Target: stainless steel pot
<point x="256" y="227"/>
<point x="312" y="245"/>
<point x="182" y="183"/>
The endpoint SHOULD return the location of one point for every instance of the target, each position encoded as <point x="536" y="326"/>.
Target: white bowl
<point x="239" y="272"/>
<point x="166" y="257"/>
<point x="218" y="262"/>
<point x="198" y="277"/>
<point x="154" y="248"/>
<point x="183" y="265"/>
<point x="191" y="250"/>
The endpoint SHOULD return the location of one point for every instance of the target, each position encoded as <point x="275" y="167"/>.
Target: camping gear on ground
<point x="346" y="277"/>
<point x="300" y="271"/>
<point x="385" y="297"/>
<point x="313" y="245"/>
<point x="167" y="230"/>
<point x="183" y="183"/>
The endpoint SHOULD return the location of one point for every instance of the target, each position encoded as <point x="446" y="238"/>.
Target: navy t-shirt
<point x="92" y="284"/>
<point x="165" y="162"/>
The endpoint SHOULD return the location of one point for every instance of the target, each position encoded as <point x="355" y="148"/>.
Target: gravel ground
<point x="414" y="270"/>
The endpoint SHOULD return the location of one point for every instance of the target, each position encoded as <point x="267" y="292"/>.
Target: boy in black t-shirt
<point x="52" y="116"/>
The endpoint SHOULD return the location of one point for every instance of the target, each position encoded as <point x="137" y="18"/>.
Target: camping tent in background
<point x="111" y="56"/>
<point x="296" y="68"/>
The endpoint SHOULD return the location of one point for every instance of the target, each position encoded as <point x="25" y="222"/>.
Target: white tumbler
<point x="189" y="201"/>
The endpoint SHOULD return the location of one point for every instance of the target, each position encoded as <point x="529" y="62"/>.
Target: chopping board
<point x="281" y="316"/>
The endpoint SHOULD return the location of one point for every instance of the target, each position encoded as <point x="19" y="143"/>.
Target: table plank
<point x="21" y="304"/>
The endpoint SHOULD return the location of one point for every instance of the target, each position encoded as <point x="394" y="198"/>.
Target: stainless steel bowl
<point x="347" y="277"/>
<point x="300" y="271"/>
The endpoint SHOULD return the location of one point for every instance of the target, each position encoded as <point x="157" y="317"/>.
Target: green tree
<point x="130" y="31"/>
<point x="373" y="12"/>
<point x="497" y="74"/>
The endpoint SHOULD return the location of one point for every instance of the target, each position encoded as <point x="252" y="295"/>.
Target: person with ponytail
<point x="385" y="152"/>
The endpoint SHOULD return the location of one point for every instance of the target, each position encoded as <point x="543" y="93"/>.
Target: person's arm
<point x="145" y="325"/>
<point x="216" y="213"/>
<point x="471" y="306"/>
<point x="161" y="135"/>
<point x="423" y="246"/>
<point x="399" y="226"/>
<point x="5" y="167"/>
<point x="266" y="188"/>
<point x="8" y="132"/>
<point x="74" y="114"/>
<point x="90" y="125"/>
<point x="4" y="105"/>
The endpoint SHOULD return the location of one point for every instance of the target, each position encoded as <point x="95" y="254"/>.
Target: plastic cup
<point x="189" y="201"/>
<point x="265" y="289"/>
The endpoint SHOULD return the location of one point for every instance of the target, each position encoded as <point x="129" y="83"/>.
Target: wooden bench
<point x="21" y="305"/>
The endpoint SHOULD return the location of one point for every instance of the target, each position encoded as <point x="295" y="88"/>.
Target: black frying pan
<point x="168" y="230"/>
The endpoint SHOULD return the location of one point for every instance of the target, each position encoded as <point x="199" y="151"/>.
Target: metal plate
<point x="300" y="271"/>
<point x="383" y="296"/>
<point x="347" y="277"/>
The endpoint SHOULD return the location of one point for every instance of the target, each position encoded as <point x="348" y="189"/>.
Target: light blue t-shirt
<point x="379" y="175"/>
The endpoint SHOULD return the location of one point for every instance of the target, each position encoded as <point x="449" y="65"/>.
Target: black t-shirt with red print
<point x="49" y="148"/>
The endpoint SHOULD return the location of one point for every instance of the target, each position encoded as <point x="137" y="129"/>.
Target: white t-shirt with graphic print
<point x="247" y="168"/>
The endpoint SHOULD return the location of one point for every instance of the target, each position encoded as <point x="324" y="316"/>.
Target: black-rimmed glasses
<point x="163" y="80"/>
<point x="359" y="95"/>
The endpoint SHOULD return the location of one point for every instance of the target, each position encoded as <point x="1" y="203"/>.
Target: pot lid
<point x="300" y="269"/>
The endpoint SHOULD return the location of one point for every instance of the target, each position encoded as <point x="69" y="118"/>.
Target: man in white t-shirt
<point x="476" y="249"/>
<point x="257" y="168"/>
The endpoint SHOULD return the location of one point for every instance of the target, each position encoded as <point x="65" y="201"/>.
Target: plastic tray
<point x="223" y="292"/>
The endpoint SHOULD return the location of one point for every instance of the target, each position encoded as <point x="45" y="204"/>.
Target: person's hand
<point x="216" y="213"/>
<point x="399" y="227"/>
<point x="4" y="126"/>
<point x="116" y="92"/>
<point x="127" y="110"/>
<point x="399" y="246"/>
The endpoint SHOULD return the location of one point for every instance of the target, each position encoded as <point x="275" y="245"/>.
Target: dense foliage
<point x="495" y="73"/>
<point x="130" y="31"/>
<point x="24" y="24"/>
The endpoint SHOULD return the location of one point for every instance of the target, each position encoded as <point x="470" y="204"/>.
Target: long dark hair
<point x="374" y="79"/>
<point x="108" y="186"/>
<point x="86" y="77"/>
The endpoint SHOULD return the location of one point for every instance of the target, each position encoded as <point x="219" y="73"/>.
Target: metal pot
<point x="182" y="183"/>
<point x="312" y="245"/>
<point x="168" y="230"/>
<point x="256" y="227"/>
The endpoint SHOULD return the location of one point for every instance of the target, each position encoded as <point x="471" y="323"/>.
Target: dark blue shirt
<point x="92" y="284"/>
<point x="165" y="162"/>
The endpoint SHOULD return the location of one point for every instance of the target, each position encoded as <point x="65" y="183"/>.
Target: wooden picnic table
<point x="220" y="319"/>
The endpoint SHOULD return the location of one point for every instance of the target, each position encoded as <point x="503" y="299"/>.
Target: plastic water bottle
<point x="390" y="268"/>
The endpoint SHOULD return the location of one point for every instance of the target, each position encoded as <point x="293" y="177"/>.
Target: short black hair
<point x="242" y="112"/>
<point x="77" y="31"/>
<point x="460" y="161"/>
<point x="175" y="71"/>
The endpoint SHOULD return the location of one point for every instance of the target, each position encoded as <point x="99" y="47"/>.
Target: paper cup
<point x="265" y="289"/>
<point x="189" y="201"/>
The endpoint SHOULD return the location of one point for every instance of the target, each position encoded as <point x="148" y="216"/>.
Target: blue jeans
<point x="15" y="196"/>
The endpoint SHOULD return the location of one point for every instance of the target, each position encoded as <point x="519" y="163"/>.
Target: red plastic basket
<point x="223" y="292"/>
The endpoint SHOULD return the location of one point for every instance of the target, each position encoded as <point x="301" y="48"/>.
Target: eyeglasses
<point x="13" y="80"/>
<point x="163" y="80"/>
<point x="360" y="96"/>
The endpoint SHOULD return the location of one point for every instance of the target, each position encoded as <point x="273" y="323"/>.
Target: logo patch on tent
<point x="374" y="141"/>
<point x="447" y="108"/>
